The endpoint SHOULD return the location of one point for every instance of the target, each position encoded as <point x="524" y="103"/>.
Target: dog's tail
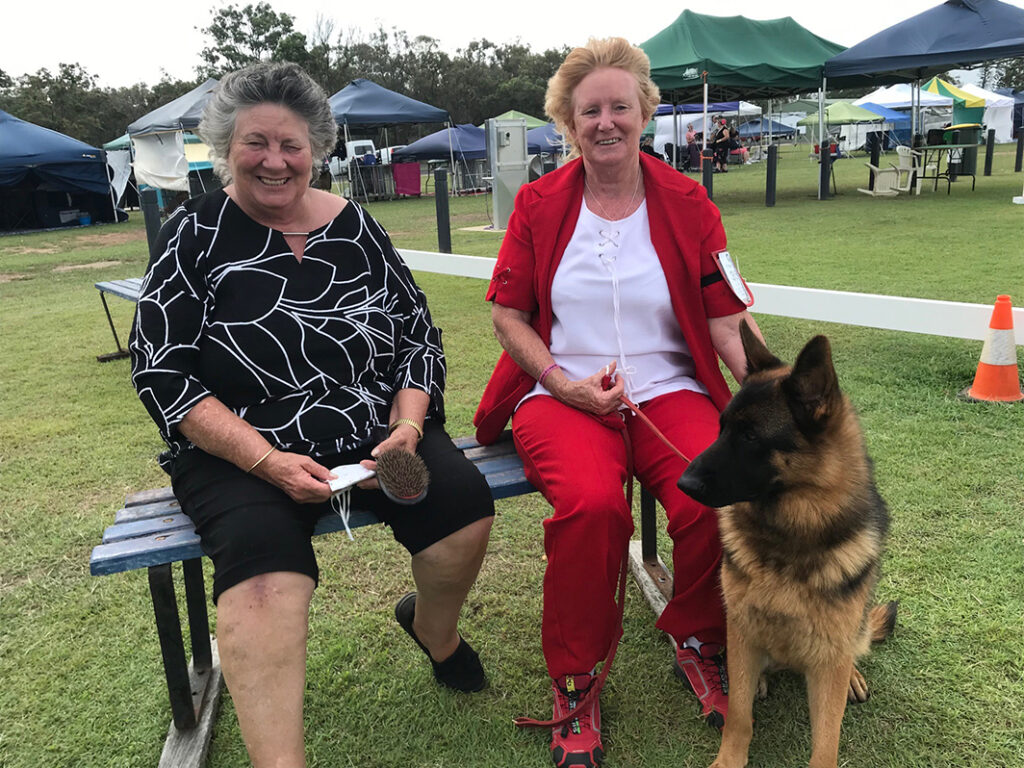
<point x="882" y="621"/>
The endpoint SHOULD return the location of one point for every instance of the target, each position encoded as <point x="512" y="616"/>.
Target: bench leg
<point x="198" y="618"/>
<point x="655" y="569"/>
<point x="186" y="691"/>
<point x="121" y="352"/>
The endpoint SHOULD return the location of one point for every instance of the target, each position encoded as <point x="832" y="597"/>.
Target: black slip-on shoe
<point x="461" y="671"/>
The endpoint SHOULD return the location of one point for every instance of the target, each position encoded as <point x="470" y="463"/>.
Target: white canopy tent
<point x="904" y="96"/>
<point x="998" y="111"/>
<point x="900" y="96"/>
<point x="120" y="162"/>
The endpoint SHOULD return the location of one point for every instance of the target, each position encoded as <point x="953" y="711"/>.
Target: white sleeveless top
<point x="610" y="301"/>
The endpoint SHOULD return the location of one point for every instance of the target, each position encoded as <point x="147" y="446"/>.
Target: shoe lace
<point x="717" y="675"/>
<point x="583" y="719"/>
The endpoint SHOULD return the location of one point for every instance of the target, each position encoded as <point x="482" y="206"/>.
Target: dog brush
<point x="402" y="476"/>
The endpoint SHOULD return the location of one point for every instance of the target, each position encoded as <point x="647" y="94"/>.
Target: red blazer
<point x="686" y="228"/>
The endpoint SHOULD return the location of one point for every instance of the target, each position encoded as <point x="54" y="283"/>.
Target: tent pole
<point x="451" y="153"/>
<point x="916" y="128"/>
<point x="110" y="187"/>
<point x="704" y="130"/>
<point x="348" y="164"/>
<point x="821" y="113"/>
<point x="675" y="133"/>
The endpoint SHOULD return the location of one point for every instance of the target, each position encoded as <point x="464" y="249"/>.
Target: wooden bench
<point x="151" y="532"/>
<point x="129" y="288"/>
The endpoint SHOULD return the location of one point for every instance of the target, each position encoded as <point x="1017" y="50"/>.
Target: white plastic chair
<point x="910" y="164"/>
<point x="886" y="181"/>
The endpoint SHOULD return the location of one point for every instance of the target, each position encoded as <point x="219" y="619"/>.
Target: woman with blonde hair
<point x="605" y="286"/>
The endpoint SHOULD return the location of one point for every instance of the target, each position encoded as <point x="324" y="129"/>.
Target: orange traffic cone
<point x="997" y="378"/>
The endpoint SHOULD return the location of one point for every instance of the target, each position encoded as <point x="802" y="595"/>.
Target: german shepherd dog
<point x="802" y="528"/>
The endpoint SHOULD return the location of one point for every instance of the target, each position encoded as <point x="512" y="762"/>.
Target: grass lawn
<point x="79" y="658"/>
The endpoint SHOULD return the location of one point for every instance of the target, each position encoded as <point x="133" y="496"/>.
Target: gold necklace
<point x="593" y="196"/>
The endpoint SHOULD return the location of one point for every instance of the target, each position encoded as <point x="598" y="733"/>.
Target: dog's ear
<point x="812" y="388"/>
<point x="758" y="356"/>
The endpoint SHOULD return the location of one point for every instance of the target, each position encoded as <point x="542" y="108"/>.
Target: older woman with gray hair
<point x="280" y="334"/>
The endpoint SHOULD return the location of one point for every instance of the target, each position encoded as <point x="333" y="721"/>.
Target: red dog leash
<point x="606" y="384"/>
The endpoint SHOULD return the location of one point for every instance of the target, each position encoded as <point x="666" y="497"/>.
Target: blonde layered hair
<point x="613" y="52"/>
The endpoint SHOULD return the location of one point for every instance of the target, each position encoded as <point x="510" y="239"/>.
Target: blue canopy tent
<point x="953" y="35"/>
<point x="48" y="179"/>
<point x="468" y="142"/>
<point x="467" y="145"/>
<point x="464" y="146"/>
<point x="465" y="142"/>
<point x="754" y="129"/>
<point x="368" y="105"/>
<point x="899" y="122"/>
<point x="713" y="106"/>
<point x="363" y="102"/>
<point x="545" y="139"/>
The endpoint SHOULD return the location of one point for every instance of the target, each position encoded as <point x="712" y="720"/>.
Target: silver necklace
<point x="593" y="196"/>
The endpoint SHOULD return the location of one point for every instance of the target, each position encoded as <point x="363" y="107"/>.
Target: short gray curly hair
<point x="266" y="82"/>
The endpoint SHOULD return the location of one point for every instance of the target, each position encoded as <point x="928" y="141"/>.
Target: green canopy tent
<point x="841" y="113"/>
<point x="724" y="58"/>
<point x="513" y="114"/>
<point x="743" y="58"/>
<point x="803" y="105"/>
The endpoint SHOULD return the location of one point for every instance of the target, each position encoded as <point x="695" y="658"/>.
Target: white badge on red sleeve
<point x="733" y="278"/>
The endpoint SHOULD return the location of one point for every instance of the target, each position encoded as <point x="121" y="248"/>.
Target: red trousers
<point x="579" y="464"/>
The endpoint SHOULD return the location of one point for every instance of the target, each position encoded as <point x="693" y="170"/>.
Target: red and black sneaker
<point x="704" y="671"/>
<point x="578" y="741"/>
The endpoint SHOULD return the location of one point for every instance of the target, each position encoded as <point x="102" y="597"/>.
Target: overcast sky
<point x="128" y="42"/>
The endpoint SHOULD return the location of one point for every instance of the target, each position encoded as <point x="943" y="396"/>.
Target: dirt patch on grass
<point x="90" y="265"/>
<point x="112" y="238"/>
<point x="11" y="277"/>
<point x="23" y="251"/>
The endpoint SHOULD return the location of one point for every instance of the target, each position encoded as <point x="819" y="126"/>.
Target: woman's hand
<point x="588" y="394"/>
<point x="302" y="478"/>
<point x="404" y="438"/>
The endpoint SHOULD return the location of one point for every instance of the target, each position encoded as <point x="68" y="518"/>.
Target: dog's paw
<point x="762" y="687"/>
<point x="858" y="692"/>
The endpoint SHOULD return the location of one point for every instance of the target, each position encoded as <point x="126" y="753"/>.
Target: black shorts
<point x="248" y="526"/>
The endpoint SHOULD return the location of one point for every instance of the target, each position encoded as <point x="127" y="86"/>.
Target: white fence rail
<point x="893" y="313"/>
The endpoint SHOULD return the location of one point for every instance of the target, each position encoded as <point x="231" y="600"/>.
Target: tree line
<point x="479" y="81"/>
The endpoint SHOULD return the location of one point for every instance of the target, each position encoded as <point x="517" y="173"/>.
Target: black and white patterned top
<point x="309" y="353"/>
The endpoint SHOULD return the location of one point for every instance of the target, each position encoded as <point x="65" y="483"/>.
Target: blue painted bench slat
<point x="129" y="288"/>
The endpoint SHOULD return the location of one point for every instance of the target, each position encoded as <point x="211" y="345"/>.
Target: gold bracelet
<point x="261" y="458"/>
<point x="398" y="422"/>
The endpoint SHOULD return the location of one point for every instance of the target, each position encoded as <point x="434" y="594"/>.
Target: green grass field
<point x="79" y="658"/>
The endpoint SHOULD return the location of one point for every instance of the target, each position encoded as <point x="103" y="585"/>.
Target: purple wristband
<point x="545" y="372"/>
